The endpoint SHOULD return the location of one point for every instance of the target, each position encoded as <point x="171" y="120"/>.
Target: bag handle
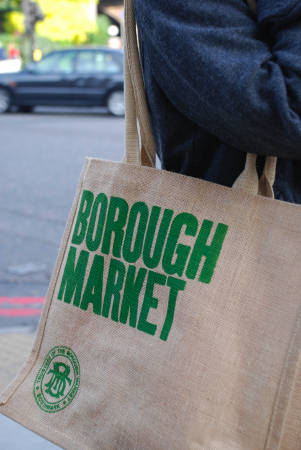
<point x="248" y="179"/>
<point x="136" y="107"/>
<point x="135" y="99"/>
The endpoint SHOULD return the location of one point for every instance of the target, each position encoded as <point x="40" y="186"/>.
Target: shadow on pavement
<point x="64" y="111"/>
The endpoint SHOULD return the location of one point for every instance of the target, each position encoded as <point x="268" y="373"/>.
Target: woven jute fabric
<point x="226" y="373"/>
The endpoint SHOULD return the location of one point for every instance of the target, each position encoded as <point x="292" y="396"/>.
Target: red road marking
<point x="8" y="304"/>
<point x="13" y="312"/>
<point x="21" y="300"/>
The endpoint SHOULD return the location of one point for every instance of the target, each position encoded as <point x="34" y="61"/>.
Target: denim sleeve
<point x="215" y="64"/>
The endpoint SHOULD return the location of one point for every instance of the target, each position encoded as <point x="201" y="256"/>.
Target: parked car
<point x="73" y="77"/>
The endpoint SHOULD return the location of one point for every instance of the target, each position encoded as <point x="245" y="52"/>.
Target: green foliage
<point x="10" y="5"/>
<point x="100" y="37"/>
<point x="67" y="20"/>
<point x="5" y="7"/>
<point x="13" y="22"/>
<point x="6" y="38"/>
<point x="67" y="23"/>
<point x="47" y="45"/>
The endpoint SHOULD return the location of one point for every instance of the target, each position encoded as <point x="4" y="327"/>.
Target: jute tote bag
<point x="172" y="320"/>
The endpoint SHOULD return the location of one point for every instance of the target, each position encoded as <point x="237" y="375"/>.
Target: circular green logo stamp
<point x="57" y="382"/>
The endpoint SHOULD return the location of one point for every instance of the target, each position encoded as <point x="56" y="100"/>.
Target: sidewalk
<point x="15" y="346"/>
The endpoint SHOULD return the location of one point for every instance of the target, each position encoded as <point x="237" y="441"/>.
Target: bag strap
<point x="248" y="179"/>
<point x="136" y="108"/>
<point x="135" y="99"/>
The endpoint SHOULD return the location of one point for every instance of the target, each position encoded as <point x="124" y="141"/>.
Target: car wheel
<point x="115" y="103"/>
<point x="25" y="109"/>
<point x="5" y="101"/>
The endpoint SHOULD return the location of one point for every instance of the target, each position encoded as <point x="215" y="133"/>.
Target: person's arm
<point x="237" y="78"/>
<point x="276" y="15"/>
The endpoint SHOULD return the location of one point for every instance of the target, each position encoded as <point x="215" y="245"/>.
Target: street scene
<point x="61" y="100"/>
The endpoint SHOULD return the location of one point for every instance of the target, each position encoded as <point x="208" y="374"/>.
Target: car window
<point x="65" y="63"/>
<point x="97" y="61"/>
<point x="56" y="63"/>
<point x="47" y="63"/>
<point x="85" y="62"/>
<point x="106" y="63"/>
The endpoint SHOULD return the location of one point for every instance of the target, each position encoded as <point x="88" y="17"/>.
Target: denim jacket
<point x="222" y="81"/>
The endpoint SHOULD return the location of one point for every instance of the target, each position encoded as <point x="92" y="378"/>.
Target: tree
<point x="67" y="20"/>
<point x="32" y="14"/>
<point x="10" y="5"/>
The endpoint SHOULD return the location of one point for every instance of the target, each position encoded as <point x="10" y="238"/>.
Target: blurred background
<point x="30" y="29"/>
<point x="61" y="53"/>
<point x="61" y="99"/>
